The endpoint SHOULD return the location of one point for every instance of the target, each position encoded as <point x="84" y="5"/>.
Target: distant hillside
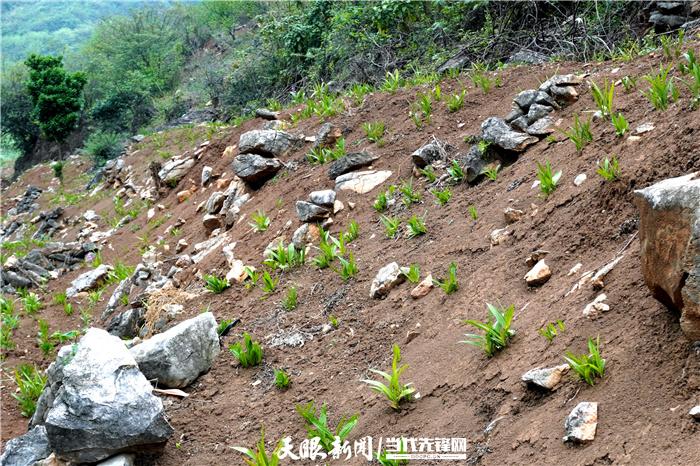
<point x="53" y="27"/>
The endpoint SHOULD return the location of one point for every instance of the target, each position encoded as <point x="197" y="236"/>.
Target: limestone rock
<point x="211" y="222"/>
<point x="581" y="423"/>
<point x="175" y="169"/>
<point x="547" y="378"/>
<point x="695" y="412"/>
<point x="429" y="154"/>
<point x="98" y="403"/>
<point x="26" y="449"/>
<point x="497" y="132"/>
<point x="255" y="169"/>
<point x="669" y="233"/>
<point x="308" y="212"/>
<point x="325" y="198"/>
<point x="595" y="307"/>
<point x="361" y="182"/>
<point x="512" y="215"/>
<point x="206" y="175"/>
<point x="176" y="357"/>
<point x="305" y="234"/>
<point x="266" y="114"/>
<point x="499" y="236"/>
<point x="267" y="142"/>
<point x="539" y="274"/>
<point x="387" y="278"/>
<point x="350" y="162"/>
<point x="327" y="135"/>
<point x="215" y="202"/>
<point x="89" y="280"/>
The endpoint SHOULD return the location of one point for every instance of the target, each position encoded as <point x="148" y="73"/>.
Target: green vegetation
<point x="456" y="172"/>
<point x="548" y="181"/>
<point x="672" y="46"/>
<point x="580" y="133"/>
<point x="603" y="98"/>
<point x="249" y="353"/>
<point x="662" y="92"/>
<point x="329" y="252"/>
<point x="30" y="301"/>
<point x="381" y="203"/>
<point x="409" y="195"/>
<point x="456" y="102"/>
<point x="223" y="325"/>
<point x="353" y="231"/>
<point x="281" y="379"/>
<point x="395" y="391"/>
<point x="473" y="213"/>
<point x="588" y="366"/>
<point x="629" y="83"/>
<point x="392" y="81"/>
<point x="551" y="330"/>
<point x="103" y="146"/>
<point x="449" y="285"/>
<point x="620" y="123"/>
<point x="269" y="283"/>
<point x="57" y="168"/>
<point x="30" y="383"/>
<point x="290" y="300"/>
<point x="215" y="284"/>
<point x="260" y="457"/>
<point x="317" y="425"/>
<point x="348" y="267"/>
<point x="391" y="225"/>
<point x="413" y="274"/>
<point x="429" y="173"/>
<point x="374" y="131"/>
<point x="416" y="226"/>
<point x="609" y="168"/>
<point x="285" y="258"/>
<point x="443" y="196"/>
<point x="9" y="322"/>
<point x="492" y="172"/>
<point x="261" y="222"/>
<point x="497" y="334"/>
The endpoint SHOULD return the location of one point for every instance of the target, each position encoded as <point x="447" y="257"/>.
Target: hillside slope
<point x="652" y="376"/>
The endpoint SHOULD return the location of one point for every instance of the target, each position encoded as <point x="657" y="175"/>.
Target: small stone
<point x="361" y="182"/>
<point x="387" y="278"/>
<point x="183" y="261"/>
<point x="423" y="288"/>
<point x="580" y="178"/>
<point x="308" y="212"/>
<point x="206" y="175"/>
<point x="499" y="236"/>
<point x="633" y="139"/>
<point x="575" y="269"/>
<point x="428" y="154"/>
<point x="91" y="216"/>
<point x="211" y="222"/>
<point x="539" y="274"/>
<point x="151" y="213"/>
<point x="181" y="246"/>
<point x="182" y="196"/>
<point x="215" y="202"/>
<point x="237" y="272"/>
<point x="547" y="378"/>
<point x="695" y="412"/>
<point x="595" y="307"/>
<point x="410" y="336"/>
<point x="324" y="198"/>
<point x="512" y="215"/>
<point x="581" y="423"/>
<point x="644" y="128"/>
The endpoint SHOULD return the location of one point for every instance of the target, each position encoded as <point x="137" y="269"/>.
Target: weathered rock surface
<point x="328" y="135"/>
<point x="97" y="403"/>
<point x="475" y="162"/>
<point x="175" y="169"/>
<point x="669" y="233"/>
<point x="255" y="169"/>
<point x="547" y="378"/>
<point x="361" y="182"/>
<point x="539" y="274"/>
<point x="428" y="154"/>
<point x="309" y="212"/>
<point x="26" y="449"/>
<point x="350" y="162"/>
<point x="512" y="215"/>
<point x="89" y="280"/>
<point x="266" y="114"/>
<point x="215" y="202"/>
<point x="305" y="234"/>
<point x="266" y="142"/>
<point x="423" y="288"/>
<point x="581" y="423"/>
<point x="127" y="324"/>
<point x="211" y="222"/>
<point x="325" y="198"/>
<point x="695" y="412"/>
<point x="387" y="278"/>
<point x="497" y="132"/>
<point x="176" y="357"/>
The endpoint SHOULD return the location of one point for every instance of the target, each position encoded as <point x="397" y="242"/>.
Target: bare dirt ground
<point x="653" y="373"/>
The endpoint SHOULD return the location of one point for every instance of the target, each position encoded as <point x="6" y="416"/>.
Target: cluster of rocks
<point x="672" y="15"/>
<point x="42" y="264"/>
<point x="392" y="275"/>
<point x="27" y="202"/>
<point x="221" y="209"/>
<point x="259" y="153"/>
<point x="319" y="207"/>
<point x="98" y="403"/>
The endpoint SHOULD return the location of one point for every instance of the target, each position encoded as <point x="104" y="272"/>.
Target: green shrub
<point x="580" y="133"/>
<point x="317" y="425"/>
<point x="620" y="123"/>
<point x="259" y="457"/>
<point x="609" y="169"/>
<point x="416" y="226"/>
<point x="348" y="267"/>
<point x="395" y="391"/>
<point x="497" y="334"/>
<point x="374" y="130"/>
<point x="473" y="213"/>
<point x="57" y="167"/>
<point x="290" y="301"/>
<point x="261" y="222"/>
<point x="269" y="283"/>
<point x="551" y="330"/>
<point x="548" y="181"/>
<point x="413" y="274"/>
<point x="285" y="258"/>
<point x="392" y="82"/>
<point x="249" y="353"/>
<point x="30" y="383"/>
<point x="588" y="366"/>
<point x="603" y="98"/>
<point x="456" y="172"/>
<point x="449" y="285"/>
<point x="103" y="146"/>
<point x="380" y="204"/>
<point x="281" y="379"/>
<point x="456" y="102"/>
<point x="215" y="284"/>
<point x="409" y="195"/>
<point x="443" y="196"/>
<point x="391" y="225"/>
<point x="661" y="92"/>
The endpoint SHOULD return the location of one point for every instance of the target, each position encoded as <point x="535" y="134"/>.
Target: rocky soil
<point x="179" y="207"/>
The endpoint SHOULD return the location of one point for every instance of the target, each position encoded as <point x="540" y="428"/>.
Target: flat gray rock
<point x="350" y="162"/>
<point x="267" y="142"/>
<point x="255" y="169"/>
<point x="310" y="212"/>
<point x="26" y="449"/>
<point x="497" y="132"/>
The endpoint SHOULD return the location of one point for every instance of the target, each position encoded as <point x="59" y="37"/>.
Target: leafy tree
<point x="56" y="96"/>
<point x="16" y="108"/>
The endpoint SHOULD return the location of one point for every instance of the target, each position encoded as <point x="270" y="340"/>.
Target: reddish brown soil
<point x="653" y="374"/>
